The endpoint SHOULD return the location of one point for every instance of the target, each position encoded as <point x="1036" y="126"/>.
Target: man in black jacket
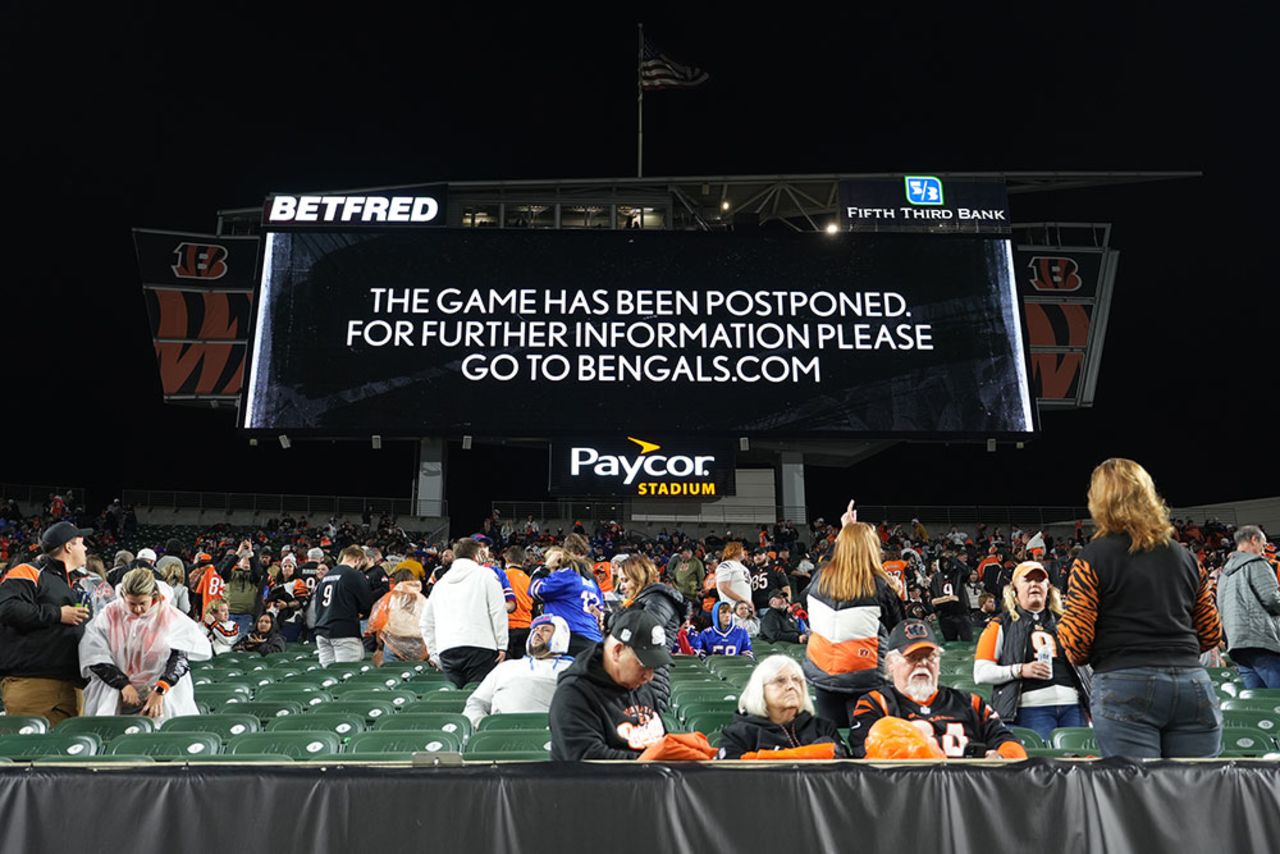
<point x="777" y="624"/>
<point x="40" y="629"/>
<point x="950" y="599"/>
<point x="604" y="707"/>
<point x="342" y="599"/>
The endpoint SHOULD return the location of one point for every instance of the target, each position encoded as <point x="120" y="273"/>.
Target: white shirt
<point x="736" y="576"/>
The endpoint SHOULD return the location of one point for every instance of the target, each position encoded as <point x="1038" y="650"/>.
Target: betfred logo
<point x="1055" y="273"/>
<point x="405" y="210"/>
<point x="199" y="261"/>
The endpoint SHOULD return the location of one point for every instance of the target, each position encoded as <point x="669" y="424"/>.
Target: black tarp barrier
<point x="1107" y="806"/>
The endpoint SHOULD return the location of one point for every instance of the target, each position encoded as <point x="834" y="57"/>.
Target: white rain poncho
<point x="140" y="648"/>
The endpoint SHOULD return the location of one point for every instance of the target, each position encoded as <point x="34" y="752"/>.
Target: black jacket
<point x="778" y="625"/>
<point x="342" y="599"/>
<point x="746" y="733"/>
<point x="590" y="712"/>
<point x="667" y="604"/>
<point x="33" y="639"/>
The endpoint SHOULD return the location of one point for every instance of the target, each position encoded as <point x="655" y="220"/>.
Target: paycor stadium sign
<point x="640" y="468"/>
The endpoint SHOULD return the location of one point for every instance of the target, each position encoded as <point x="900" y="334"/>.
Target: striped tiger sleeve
<point x="1205" y="616"/>
<point x="1076" y="628"/>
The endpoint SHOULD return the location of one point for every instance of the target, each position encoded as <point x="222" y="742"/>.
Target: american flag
<point x="659" y="71"/>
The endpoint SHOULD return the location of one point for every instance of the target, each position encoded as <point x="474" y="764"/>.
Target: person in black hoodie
<point x="775" y="712"/>
<point x="604" y="706"/>
<point x="642" y="589"/>
<point x="266" y="638"/>
<point x="777" y="624"/>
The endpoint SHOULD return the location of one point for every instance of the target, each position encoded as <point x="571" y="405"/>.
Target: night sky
<point x="157" y="117"/>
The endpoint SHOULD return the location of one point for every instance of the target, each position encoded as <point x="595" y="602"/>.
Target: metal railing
<point x="256" y="502"/>
<point x="619" y="509"/>
<point x="27" y="493"/>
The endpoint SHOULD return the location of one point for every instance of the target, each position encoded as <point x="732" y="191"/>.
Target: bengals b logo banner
<point x="200" y="261"/>
<point x="1056" y="273"/>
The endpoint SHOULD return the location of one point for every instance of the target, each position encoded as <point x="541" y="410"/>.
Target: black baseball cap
<point x="910" y="635"/>
<point x="58" y="535"/>
<point x="644" y="633"/>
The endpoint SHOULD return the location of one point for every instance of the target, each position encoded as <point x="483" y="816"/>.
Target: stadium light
<point x="466" y="443"/>
<point x="724" y="206"/>
<point x="832" y="228"/>
<point x="253" y="443"/>
<point x="377" y="443"/>
<point x="284" y="441"/>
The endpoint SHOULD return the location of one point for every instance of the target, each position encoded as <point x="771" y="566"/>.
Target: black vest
<point x="1016" y="649"/>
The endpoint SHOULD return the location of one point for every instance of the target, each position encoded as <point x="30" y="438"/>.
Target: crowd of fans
<point x="584" y="622"/>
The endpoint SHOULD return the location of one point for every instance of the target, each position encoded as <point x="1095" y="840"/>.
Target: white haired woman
<point x="775" y="718"/>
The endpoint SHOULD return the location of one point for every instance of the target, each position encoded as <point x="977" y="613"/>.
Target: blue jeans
<point x="1258" y="668"/>
<point x="1153" y="712"/>
<point x="1045" y="719"/>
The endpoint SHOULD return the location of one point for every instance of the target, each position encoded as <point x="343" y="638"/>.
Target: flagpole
<point x="640" y="104"/>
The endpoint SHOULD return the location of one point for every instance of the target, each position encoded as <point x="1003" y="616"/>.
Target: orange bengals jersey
<point x="897" y="570"/>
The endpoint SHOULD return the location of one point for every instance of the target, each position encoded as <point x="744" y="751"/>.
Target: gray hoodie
<point x="1249" y="601"/>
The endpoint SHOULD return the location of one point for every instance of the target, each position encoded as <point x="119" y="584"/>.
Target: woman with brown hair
<point x="852" y="606"/>
<point x="1140" y="611"/>
<point x="642" y="589"/>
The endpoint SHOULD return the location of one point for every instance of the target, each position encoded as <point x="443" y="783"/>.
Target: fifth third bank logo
<point x="923" y="189"/>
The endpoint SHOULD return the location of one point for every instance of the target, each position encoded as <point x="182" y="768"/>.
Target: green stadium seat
<point x="203" y="708"/>
<point x="683" y="695"/>
<point x="343" y="724"/>
<point x="33" y="745"/>
<point x="1268" y="722"/>
<point x="1247" y="740"/>
<point x="376" y="679"/>
<point x="224" y="725"/>
<point x="445" y="701"/>
<point x="431" y="687"/>
<point x="107" y="727"/>
<point x="1259" y="694"/>
<point x="459" y="725"/>
<point x="1029" y="737"/>
<point x="1254" y="705"/>
<point x="317" y="679"/>
<point x="346" y="757"/>
<point x="97" y="759"/>
<point x="166" y="745"/>
<point x="23" y="724"/>
<point x="398" y="697"/>
<point x="672" y="723"/>
<point x="721" y="664"/>
<point x="1075" y="738"/>
<point x="508" y="756"/>
<point x="718" y="706"/>
<point x="708" y="722"/>
<point x="371" y="710"/>
<point x="220" y="695"/>
<point x="345" y="670"/>
<point x="515" y="720"/>
<point x="305" y="697"/>
<point x="508" y="740"/>
<point x="1048" y="753"/>
<point x="267" y="710"/>
<point x="240" y="758"/>
<point x="406" y="741"/>
<point x="298" y="745"/>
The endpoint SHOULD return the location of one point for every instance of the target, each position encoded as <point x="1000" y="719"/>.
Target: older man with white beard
<point x="961" y="724"/>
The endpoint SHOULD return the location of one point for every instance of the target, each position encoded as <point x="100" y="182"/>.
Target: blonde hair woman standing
<point x="1140" y="611"/>
<point x="852" y="606"/>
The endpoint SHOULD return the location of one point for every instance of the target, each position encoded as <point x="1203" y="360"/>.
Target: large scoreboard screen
<point x="555" y="333"/>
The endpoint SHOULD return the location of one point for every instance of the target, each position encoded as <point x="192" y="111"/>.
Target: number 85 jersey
<point x="954" y="719"/>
